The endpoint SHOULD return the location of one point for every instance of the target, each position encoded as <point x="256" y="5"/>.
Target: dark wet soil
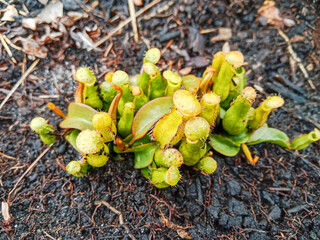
<point x="278" y="198"/>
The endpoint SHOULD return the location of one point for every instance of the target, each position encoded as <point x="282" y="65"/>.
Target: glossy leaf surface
<point x="148" y="115"/>
<point x="144" y="155"/>
<point x="79" y="117"/>
<point x="223" y="145"/>
<point x="238" y="139"/>
<point x="270" y="135"/>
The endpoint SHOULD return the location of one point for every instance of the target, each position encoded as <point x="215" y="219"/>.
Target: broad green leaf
<point x="223" y="145"/>
<point x="144" y="140"/>
<point x="271" y="135"/>
<point x="148" y="115"/>
<point x="144" y="157"/>
<point x="79" y="117"/>
<point x="238" y="139"/>
<point x="71" y="137"/>
<point x="257" y="134"/>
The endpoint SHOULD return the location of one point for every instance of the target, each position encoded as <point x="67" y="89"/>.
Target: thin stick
<point x="28" y="170"/>
<point x="49" y="236"/>
<point x="121" y="25"/>
<point x="134" y="21"/>
<point x="24" y="76"/>
<point x="121" y="221"/>
<point x="6" y="47"/>
<point x="10" y="43"/>
<point x="108" y="50"/>
<point x="6" y="156"/>
<point x="296" y="58"/>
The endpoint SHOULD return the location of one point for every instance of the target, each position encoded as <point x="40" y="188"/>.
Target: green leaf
<point x="146" y="172"/>
<point x="223" y="145"/>
<point x="148" y="115"/>
<point x="144" y="155"/>
<point x="238" y="139"/>
<point x="71" y="137"/>
<point x="270" y="135"/>
<point x="257" y="134"/>
<point x="79" y="117"/>
<point x="144" y="140"/>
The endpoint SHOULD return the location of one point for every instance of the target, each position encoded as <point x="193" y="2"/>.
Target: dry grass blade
<point x="24" y="76"/>
<point x="121" y="25"/>
<point x="121" y="221"/>
<point x="28" y="170"/>
<point x="133" y="19"/>
<point x="6" y="47"/>
<point x="10" y="43"/>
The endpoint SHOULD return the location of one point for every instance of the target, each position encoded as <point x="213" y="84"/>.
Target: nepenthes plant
<point x="167" y="120"/>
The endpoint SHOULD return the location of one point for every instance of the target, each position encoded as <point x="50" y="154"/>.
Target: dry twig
<point x="24" y="76"/>
<point x="121" y="221"/>
<point x="48" y="235"/>
<point x="7" y="156"/>
<point x="6" y="47"/>
<point x="133" y="20"/>
<point x="296" y="58"/>
<point x="121" y="25"/>
<point x="27" y="171"/>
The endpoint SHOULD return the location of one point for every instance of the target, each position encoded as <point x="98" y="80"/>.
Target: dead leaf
<point x="224" y="34"/>
<point x="16" y="31"/>
<point x="67" y="21"/>
<point x="226" y="47"/>
<point x="198" y="62"/>
<point x="9" y="13"/>
<point x="82" y="38"/>
<point x="183" y="234"/>
<point x="182" y="52"/>
<point x="30" y="23"/>
<point x="51" y="12"/>
<point x="297" y="39"/>
<point x="77" y="15"/>
<point x="32" y="47"/>
<point x="93" y="32"/>
<point x="272" y="14"/>
<point x="185" y="71"/>
<point x="51" y="37"/>
<point x="196" y="40"/>
<point x="180" y="230"/>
